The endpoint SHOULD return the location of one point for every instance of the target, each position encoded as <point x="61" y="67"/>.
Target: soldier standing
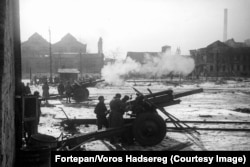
<point x="101" y="112"/>
<point x="45" y="88"/>
<point x="60" y="89"/>
<point x="68" y="90"/>
<point x="27" y="89"/>
<point x="36" y="93"/>
<point x="116" y="115"/>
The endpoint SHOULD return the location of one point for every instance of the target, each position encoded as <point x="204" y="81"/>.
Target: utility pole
<point x="50" y="58"/>
<point x="80" y="64"/>
<point x="225" y="26"/>
<point x="30" y="75"/>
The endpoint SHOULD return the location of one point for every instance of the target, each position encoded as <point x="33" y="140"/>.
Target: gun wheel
<point x="149" y="129"/>
<point x="80" y="94"/>
<point x="86" y="94"/>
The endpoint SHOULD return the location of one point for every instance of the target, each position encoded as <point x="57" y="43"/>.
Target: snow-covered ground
<point x="218" y="102"/>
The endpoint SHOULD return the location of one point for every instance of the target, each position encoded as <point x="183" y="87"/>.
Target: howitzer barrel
<point x="164" y="98"/>
<point x="165" y="92"/>
<point x="178" y="95"/>
<point x="90" y="83"/>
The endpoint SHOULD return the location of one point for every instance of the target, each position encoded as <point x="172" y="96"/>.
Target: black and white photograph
<point x="123" y="75"/>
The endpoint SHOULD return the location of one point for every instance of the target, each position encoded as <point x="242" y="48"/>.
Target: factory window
<point x="212" y="58"/>
<point x="212" y="68"/>
<point x="235" y="67"/>
<point x="245" y="58"/>
<point x="203" y="58"/>
<point x="244" y="68"/>
<point x="224" y="68"/>
<point x="238" y="67"/>
<point x="235" y="58"/>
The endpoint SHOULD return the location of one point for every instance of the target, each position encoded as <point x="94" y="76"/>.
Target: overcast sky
<point x="136" y="25"/>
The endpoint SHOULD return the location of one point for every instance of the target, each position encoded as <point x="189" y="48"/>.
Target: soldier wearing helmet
<point x="101" y="112"/>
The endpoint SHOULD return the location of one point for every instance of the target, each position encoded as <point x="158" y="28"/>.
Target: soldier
<point x="61" y="89"/>
<point x="127" y="135"/>
<point x="45" y="88"/>
<point x="124" y="100"/>
<point x="27" y="89"/>
<point x="36" y="93"/>
<point x="101" y="112"/>
<point x="116" y="115"/>
<point x="68" y="90"/>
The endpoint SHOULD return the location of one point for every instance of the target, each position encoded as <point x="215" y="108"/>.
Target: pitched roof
<point x="234" y="44"/>
<point x="69" y="41"/>
<point x="36" y="41"/>
<point x="217" y="44"/>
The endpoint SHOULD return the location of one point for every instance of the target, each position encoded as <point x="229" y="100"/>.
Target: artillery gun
<point x="80" y="91"/>
<point x="149" y="128"/>
<point x="145" y="125"/>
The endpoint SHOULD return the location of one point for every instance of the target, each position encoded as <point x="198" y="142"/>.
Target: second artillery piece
<point x="80" y="91"/>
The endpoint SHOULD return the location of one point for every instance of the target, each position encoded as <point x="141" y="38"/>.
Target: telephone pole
<point x="50" y="58"/>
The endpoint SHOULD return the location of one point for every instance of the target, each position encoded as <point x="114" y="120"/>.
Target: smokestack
<point x="225" y="25"/>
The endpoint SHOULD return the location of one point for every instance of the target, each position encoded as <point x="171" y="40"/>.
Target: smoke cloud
<point x="160" y="65"/>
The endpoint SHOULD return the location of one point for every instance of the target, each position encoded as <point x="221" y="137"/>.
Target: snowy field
<point x="218" y="102"/>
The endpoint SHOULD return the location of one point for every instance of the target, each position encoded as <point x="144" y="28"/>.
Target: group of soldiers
<point x="67" y="90"/>
<point x="115" y="119"/>
<point x="112" y="118"/>
<point x="62" y="90"/>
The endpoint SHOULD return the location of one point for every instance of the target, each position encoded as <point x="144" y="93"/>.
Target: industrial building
<point x="67" y="53"/>
<point x="222" y="59"/>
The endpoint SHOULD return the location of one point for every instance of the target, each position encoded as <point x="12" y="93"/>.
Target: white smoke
<point x="160" y="65"/>
<point x="115" y="73"/>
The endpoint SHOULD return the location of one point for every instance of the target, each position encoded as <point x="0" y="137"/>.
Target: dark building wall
<point x="92" y="63"/>
<point x="9" y="58"/>
<point x="221" y="60"/>
<point x="67" y="53"/>
<point x="85" y="63"/>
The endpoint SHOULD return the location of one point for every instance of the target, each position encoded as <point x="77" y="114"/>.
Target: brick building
<point x="222" y="59"/>
<point x="67" y="53"/>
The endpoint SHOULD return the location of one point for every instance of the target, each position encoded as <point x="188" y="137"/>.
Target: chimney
<point x="166" y="49"/>
<point x="225" y="26"/>
<point x="100" y="51"/>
